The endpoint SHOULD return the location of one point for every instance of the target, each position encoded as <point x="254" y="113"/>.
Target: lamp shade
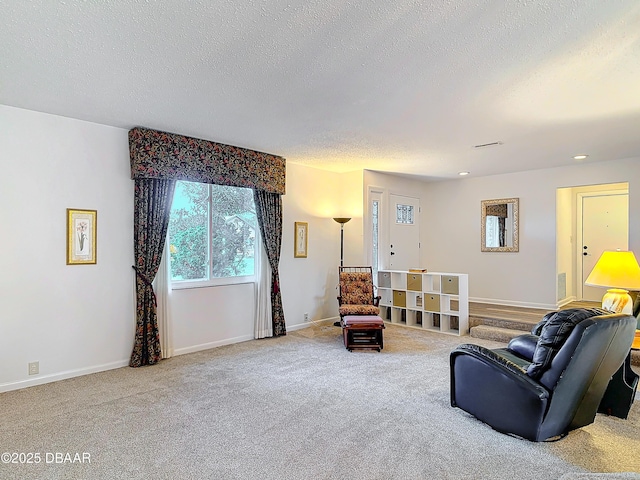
<point x="342" y="220"/>
<point x="615" y="270"/>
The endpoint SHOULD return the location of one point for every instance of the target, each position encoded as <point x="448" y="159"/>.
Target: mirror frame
<point x="483" y="236"/>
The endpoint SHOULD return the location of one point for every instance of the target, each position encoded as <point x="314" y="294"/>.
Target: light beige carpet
<point x="295" y="407"/>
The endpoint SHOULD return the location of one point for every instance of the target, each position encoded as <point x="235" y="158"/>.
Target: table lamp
<point x="619" y="272"/>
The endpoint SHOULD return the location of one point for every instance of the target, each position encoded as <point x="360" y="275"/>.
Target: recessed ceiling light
<point x="580" y="157"/>
<point x="462" y="174"/>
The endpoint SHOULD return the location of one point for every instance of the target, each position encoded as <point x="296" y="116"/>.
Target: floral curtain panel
<point x="152" y="204"/>
<point x="158" y="159"/>
<point x="269" y="213"/>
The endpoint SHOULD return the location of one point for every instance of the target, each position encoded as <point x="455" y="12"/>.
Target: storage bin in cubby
<point x="450" y="285"/>
<point x="399" y="298"/>
<point x="414" y="282"/>
<point x="384" y="279"/>
<point x="432" y="302"/>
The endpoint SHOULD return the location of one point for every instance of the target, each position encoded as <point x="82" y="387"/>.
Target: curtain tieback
<point x="147" y="282"/>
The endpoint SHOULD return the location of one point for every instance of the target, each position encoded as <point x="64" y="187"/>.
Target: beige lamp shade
<point x="618" y="271"/>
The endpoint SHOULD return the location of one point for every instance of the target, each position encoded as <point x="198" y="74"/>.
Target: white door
<point x="605" y="226"/>
<point x="404" y="232"/>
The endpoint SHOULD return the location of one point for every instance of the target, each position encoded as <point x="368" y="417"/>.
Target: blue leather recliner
<point x="546" y="383"/>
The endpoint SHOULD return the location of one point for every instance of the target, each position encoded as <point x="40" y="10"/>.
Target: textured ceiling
<point x="402" y="86"/>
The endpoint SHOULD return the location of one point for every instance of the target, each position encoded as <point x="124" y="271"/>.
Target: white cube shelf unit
<point x="431" y="301"/>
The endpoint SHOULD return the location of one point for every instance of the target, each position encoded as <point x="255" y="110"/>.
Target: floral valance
<point x="498" y="210"/>
<point x="156" y="154"/>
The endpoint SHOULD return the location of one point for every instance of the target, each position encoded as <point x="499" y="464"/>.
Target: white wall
<point x="72" y="319"/>
<point x="451" y="228"/>
<point x="565" y="243"/>
<point x="208" y="317"/>
<point x="316" y="196"/>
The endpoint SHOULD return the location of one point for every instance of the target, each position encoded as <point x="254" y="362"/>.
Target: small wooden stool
<point x="362" y="331"/>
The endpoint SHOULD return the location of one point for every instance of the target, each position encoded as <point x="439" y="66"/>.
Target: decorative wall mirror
<point x="499" y="225"/>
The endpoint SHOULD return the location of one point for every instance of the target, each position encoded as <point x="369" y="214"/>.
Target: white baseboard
<point x="207" y="346"/>
<point x="566" y="301"/>
<point x="496" y="301"/>
<point x="321" y="322"/>
<point x="42" y="379"/>
<point x="244" y="338"/>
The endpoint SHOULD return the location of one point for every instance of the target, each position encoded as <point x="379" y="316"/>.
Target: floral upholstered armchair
<point x="356" y="292"/>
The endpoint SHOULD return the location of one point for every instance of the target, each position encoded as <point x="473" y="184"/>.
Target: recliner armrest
<point x="489" y="356"/>
<point x="497" y="391"/>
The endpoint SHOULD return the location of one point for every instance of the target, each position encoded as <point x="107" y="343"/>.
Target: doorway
<point x="591" y="216"/>
<point x="605" y="226"/>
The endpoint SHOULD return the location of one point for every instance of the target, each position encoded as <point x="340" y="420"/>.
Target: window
<point x="212" y="233"/>
<point x="404" y="214"/>
<point x="375" y="229"/>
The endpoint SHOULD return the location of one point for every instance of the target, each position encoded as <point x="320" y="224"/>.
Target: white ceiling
<point x="404" y="86"/>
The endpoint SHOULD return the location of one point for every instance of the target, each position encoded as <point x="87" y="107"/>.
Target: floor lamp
<point x="342" y="221"/>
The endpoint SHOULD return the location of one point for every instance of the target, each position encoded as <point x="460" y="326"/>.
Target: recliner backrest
<point x="595" y="349"/>
<point x="554" y="330"/>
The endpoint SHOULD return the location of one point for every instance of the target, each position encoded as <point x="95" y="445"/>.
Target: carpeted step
<point x="497" y="334"/>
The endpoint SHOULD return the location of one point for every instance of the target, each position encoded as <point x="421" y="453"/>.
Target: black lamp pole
<point x="342" y="221"/>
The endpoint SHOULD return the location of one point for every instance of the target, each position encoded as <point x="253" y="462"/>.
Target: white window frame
<point x="219" y="281"/>
<point x="375" y="194"/>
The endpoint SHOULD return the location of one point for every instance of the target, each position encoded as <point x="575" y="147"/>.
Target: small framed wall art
<point x="82" y="234"/>
<point x="301" y="240"/>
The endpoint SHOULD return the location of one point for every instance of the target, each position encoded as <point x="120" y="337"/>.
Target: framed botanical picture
<point x="301" y="241"/>
<point x="82" y="234"/>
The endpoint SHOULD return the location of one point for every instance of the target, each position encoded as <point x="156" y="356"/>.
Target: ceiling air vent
<point x="485" y="145"/>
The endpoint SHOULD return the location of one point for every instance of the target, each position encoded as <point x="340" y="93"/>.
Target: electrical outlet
<point x="306" y="317"/>
<point x="34" y="368"/>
